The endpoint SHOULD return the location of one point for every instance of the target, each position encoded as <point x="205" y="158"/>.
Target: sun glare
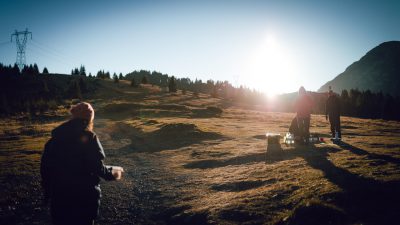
<point x="270" y="68"/>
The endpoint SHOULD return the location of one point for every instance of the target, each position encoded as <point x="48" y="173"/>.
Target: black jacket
<point x="332" y="107"/>
<point x="72" y="164"/>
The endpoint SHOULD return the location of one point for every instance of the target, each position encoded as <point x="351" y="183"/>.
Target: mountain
<point x="378" y="70"/>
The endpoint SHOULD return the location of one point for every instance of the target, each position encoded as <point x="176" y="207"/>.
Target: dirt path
<point x="149" y="192"/>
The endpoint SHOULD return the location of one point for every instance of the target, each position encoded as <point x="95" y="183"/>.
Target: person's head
<point x="302" y="91"/>
<point x="85" y="112"/>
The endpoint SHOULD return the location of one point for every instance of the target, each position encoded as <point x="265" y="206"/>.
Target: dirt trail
<point x="150" y="190"/>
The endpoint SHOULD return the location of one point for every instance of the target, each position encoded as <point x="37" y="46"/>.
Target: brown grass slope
<point x="188" y="164"/>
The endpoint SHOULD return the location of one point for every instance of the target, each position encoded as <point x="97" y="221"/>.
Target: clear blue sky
<point x="267" y="45"/>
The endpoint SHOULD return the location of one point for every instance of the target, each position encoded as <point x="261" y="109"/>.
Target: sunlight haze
<point x="271" y="46"/>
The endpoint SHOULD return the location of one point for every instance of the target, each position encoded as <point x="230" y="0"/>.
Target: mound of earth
<point x="182" y="131"/>
<point x="175" y="107"/>
<point x="169" y="136"/>
<point x="210" y="111"/>
<point x="118" y="108"/>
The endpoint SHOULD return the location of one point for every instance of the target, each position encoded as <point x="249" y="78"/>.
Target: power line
<point x="47" y="55"/>
<point x="51" y="54"/>
<point x="54" y="51"/>
<point x="4" y="43"/>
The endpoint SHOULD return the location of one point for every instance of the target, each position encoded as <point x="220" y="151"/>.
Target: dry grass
<point x="182" y="168"/>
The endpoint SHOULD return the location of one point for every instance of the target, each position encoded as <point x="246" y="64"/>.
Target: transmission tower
<point x="21" y="37"/>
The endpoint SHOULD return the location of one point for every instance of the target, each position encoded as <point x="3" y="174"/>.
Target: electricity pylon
<point x="21" y="37"/>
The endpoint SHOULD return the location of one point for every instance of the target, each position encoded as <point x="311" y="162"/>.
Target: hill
<point x="377" y="71"/>
<point x="188" y="163"/>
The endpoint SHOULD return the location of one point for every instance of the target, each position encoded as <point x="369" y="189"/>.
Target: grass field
<point x="188" y="163"/>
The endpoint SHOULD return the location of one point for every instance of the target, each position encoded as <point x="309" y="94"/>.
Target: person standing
<point x="303" y="107"/>
<point x="71" y="167"/>
<point x="332" y="113"/>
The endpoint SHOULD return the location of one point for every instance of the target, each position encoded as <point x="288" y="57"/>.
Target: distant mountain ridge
<point x="378" y="70"/>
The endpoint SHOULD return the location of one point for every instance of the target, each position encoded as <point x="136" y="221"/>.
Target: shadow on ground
<point x="362" y="200"/>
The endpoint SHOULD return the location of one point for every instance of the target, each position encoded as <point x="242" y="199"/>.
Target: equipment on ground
<point x="290" y="139"/>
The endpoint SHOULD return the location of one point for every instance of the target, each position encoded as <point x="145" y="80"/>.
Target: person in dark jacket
<point x="71" y="167"/>
<point x="332" y="112"/>
<point x="303" y="106"/>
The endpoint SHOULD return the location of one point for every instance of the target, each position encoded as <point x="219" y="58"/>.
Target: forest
<point x="33" y="92"/>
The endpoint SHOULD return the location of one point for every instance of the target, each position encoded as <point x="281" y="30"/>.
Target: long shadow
<point x="364" y="200"/>
<point x="242" y="185"/>
<point x="359" y="151"/>
<point x="212" y="163"/>
<point x="273" y="154"/>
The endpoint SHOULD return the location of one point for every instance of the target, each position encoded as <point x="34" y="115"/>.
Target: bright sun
<point x="270" y="68"/>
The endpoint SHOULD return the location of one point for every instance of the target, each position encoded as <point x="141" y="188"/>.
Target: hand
<point x="117" y="172"/>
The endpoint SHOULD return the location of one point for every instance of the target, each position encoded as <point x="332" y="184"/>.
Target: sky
<point x="271" y="46"/>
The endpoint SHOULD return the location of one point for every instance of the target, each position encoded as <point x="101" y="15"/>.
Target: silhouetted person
<point x="332" y="112"/>
<point x="71" y="167"/>
<point x="294" y="128"/>
<point x="303" y="106"/>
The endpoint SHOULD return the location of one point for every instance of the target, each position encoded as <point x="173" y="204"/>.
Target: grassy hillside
<point x="188" y="162"/>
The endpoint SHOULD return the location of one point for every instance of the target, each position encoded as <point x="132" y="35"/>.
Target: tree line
<point x="366" y="104"/>
<point x="220" y="89"/>
<point x="353" y="103"/>
<point x="29" y="91"/>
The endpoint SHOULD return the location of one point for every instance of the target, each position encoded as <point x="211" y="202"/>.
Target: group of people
<point x="303" y="106"/>
<point x="72" y="161"/>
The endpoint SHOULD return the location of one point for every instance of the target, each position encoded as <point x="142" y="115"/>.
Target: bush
<point x="214" y="110"/>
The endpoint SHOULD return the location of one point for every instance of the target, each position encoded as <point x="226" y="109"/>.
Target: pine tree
<point x="345" y="102"/>
<point x="172" y="84"/>
<point x="15" y="70"/>
<point x="144" y="80"/>
<point x="76" y="71"/>
<point x="35" y="69"/>
<point x="45" y="71"/>
<point x="121" y="77"/>
<point x="107" y="75"/>
<point x="133" y="82"/>
<point x="115" y="78"/>
<point x="100" y="74"/>
<point x="82" y="70"/>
